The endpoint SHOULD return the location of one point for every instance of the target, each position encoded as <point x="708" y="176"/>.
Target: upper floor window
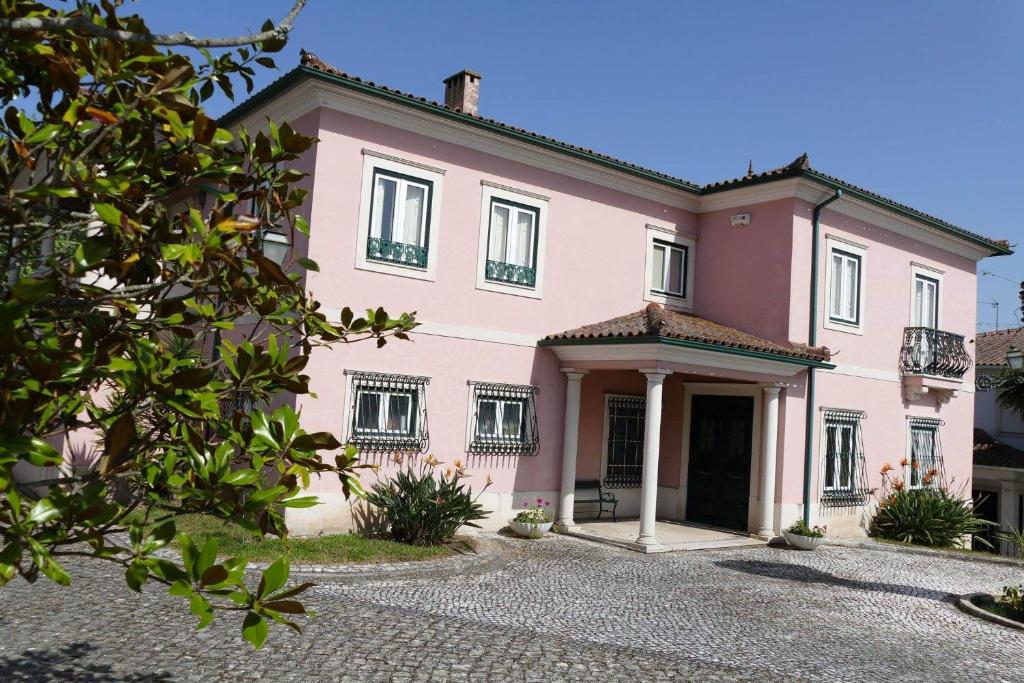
<point x="398" y="216"/>
<point x="513" y="228"/>
<point x="925" y="310"/>
<point x="388" y="412"/>
<point x="504" y="419"/>
<point x="844" y="285"/>
<point x="400" y="221"/>
<point x="669" y="270"/>
<point x="512" y="243"/>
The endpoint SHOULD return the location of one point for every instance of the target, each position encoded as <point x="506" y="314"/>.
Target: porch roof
<point x="656" y="324"/>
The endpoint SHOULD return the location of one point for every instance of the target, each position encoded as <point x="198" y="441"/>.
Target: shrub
<point x="930" y="516"/>
<point x="424" y="506"/>
<point x="534" y="513"/>
<point x="800" y="528"/>
<point x="1013" y="601"/>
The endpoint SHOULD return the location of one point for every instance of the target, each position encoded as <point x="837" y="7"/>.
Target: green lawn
<point x="234" y="541"/>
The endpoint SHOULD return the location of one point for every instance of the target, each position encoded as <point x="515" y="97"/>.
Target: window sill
<point x="669" y="300"/>
<point x="507" y="288"/>
<point x="398" y="269"/>
<point x="839" y="326"/>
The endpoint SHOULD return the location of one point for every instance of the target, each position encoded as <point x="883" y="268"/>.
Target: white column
<point x="1008" y="512"/>
<point x="652" y="451"/>
<point x="769" y="452"/>
<point x="570" y="440"/>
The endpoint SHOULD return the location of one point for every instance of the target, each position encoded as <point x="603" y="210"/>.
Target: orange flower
<point x="397" y="458"/>
<point x="886" y="469"/>
<point x="903" y="462"/>
<point x="458" y="464"/>
<point x="488" y="481"/>
<point x="448" y="472"/>
<point x="432" y="461"/>
<point x="916" y="465"/>
<point x="897" y="485"/>
<point x="933" y="472"/>
<point x="926" y="480"/>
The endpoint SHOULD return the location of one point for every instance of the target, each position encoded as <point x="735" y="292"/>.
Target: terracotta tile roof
<point x="308" y="59"/>
<point x="991" y="347"/>
<point x="991" y="453"/>
<point x="801" y="166"/>
<point x="311" y="64"/>
<point x="656" y="321"/>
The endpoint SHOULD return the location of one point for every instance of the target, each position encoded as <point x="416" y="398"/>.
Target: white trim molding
<point x="403" y="162"/>
<point x="372" y="163"/>
<point x="491" y="191"/>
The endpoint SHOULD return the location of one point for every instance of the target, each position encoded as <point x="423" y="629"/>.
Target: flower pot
<point x="802" y="542"/>
<point x="530" y="530"/>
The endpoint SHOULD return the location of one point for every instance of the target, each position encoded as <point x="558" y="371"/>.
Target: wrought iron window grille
<point x="388" y="412"/>
<point x="626" y="424"/>
<point x="920" y="427"/>
<point x="927" y="351"/>
<point x="844" y="468"/>
<point x="378" y="249"/>
<point x="504" y="419"/>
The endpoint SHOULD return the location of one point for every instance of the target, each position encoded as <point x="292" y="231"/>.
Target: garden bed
<point x="987" y="607"/>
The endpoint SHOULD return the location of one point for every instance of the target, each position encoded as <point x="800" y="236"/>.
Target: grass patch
<point x="234" y="541"/>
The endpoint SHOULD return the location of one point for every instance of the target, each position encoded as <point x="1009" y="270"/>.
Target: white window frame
<point x="491" y="192"/>
<point x="936" y="447"/>
<point x="527" y="422"/>
<point x="920" y="270"/>
<point x="854" y="427"/>
<point x="501" y="404"/>
<point x="385" y="164"/>
<point x="384" y="413"/>
<point x="859" y="251"/>
<point x="659" y="233"/>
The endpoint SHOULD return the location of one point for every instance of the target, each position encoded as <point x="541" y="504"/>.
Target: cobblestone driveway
<point x="550" y="610"/>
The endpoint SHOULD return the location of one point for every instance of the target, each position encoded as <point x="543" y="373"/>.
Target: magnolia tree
<point x="157" y="325"/>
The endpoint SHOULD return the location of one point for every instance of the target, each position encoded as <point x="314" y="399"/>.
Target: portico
<point x="708" y="400"/>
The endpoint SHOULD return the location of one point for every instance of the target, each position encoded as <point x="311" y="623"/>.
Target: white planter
<point x="530" y="530"/>
<point x="802" y="542"/>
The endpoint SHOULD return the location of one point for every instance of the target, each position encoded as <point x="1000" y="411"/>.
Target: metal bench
<point x="597" y="496"/>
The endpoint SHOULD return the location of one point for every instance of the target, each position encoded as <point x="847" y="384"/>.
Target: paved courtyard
<point x="555" y="609"/>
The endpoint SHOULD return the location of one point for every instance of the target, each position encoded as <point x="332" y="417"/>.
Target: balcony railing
<point x="497" y="271"/>
<point x="396" y="252"/>
<point x="933" y="352"/>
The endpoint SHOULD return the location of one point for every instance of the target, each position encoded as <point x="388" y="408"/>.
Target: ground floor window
<point x="923" y="466"/>
<point x="844" y="480"/>
<point x="388" y="412"/>
<point x="503" y="420"/>
<point x="625" y="447"/>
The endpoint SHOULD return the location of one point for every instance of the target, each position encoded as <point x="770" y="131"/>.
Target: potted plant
<point x="534" y="521"/>
<point x="803" y="537"/>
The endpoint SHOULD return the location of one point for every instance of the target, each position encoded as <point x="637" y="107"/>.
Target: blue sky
<point x="918" y="100"/>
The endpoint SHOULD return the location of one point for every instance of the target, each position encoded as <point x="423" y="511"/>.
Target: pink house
<point x="733" y="355"/>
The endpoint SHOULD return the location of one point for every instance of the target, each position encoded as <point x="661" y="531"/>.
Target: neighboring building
<point x="998" y="485"/>
<point x="586" y="318"/>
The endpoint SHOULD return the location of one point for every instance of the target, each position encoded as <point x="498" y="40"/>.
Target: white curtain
<point x="524" y="239"/>
<point x="415" y="197"/>
<point x="383" y="209"/>
<point x="499" y="233"/>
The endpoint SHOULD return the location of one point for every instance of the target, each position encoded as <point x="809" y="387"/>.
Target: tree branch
<point x="85" y="26"/>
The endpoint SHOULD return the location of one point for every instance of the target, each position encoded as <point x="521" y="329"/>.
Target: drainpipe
<point x="812" y="340"/>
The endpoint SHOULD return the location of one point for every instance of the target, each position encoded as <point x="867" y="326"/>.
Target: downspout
<point x="812" y="340"/>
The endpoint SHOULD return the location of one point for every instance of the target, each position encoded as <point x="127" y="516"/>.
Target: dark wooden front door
<point x="718" y="485"/>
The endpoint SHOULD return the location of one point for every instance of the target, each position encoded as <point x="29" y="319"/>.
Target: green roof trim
<point x="691" y="344"/>
<point x="293" y="77"/>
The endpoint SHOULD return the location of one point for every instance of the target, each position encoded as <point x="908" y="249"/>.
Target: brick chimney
<point x="462" y="91"/>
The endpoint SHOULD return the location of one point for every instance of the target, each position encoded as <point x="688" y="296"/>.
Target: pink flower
<point x="526" y="504"/>
<point x="539" y="501"/>
<point x="546" y="503"/>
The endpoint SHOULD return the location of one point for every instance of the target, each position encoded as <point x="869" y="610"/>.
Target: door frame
<point x="690" y="389"/>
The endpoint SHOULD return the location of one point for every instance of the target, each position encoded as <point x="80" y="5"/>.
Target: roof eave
<point x="691" y="344"/>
